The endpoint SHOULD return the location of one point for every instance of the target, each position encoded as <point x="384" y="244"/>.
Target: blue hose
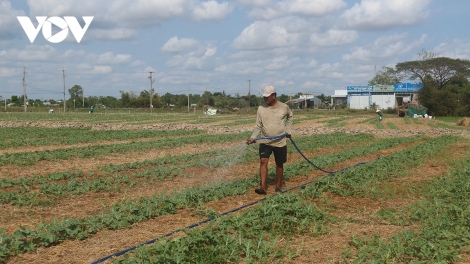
<point x="270" y="137"/>
<point x="236" y="209"/>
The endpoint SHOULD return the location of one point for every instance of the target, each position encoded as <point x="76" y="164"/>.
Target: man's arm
<point x="289" y="120"/>
<point x="256" y="130"/>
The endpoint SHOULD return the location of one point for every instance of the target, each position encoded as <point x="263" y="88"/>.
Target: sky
<point x="236" y="47"/>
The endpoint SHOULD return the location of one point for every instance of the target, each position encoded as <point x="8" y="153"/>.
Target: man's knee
<point x="264" y="161"/>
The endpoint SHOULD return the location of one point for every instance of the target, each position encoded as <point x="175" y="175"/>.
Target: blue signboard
<point x="407" y="87"/>
<point x="358" y="88"/>
<point x="397" y="88"/>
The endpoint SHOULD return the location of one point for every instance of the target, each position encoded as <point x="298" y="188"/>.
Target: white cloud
<point x="381" y="14"/>
<point x="33" y="53"/>
<point x="312" y="63"/>
<point x="9" y="72"/>
<point x="255" y="3"/>
<point x="73" y="54"/>
<point x="279" y="63"/>
<point x="109" y="58"/>
<point x="101" y="69"/>
<point x="9" y="26"/>
<point x="110" y="34"/>
<point x="384" y="51"/>
<point x="146" y="13"/>
<point x="272" y="34"/>
<point x="333" y="38"/>
<point x="314" y="8"/>
<point x="311" y="84"/>
<point x="175" y="45"/>
<point x="211" y="10"/>
<point x="197" y="60"/>
<point x="328" y="70"/>
<point x="385" y="47"/>
<point x="241" y="68"/>
<point x="457" y="49"/>
<point x="137" y="63"/>
<point x="210" y="51"/>
<point x="115" y="13"/>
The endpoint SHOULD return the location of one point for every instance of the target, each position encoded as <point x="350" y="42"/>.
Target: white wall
<point x="384" y="101"/>
<point x="359" y="101"/>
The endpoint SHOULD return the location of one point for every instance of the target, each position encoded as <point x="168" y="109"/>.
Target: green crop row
<point x="22" y="193"/>
<point x="359" y="181"/>
<point x="30" y="158"/>
<point x="126" y="213"/>
<point x="252" y="236"/>
<point x="197" y="245"/>
<point x="392" y="126"/>
<point x="50" y="191"/>
<point x="444" y="231"/>
<point x="32" y="136"/>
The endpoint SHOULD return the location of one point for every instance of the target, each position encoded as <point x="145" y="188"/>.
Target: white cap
<point x="268" y="90"/>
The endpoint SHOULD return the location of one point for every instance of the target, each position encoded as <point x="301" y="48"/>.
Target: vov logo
<point x="44" y="23"/>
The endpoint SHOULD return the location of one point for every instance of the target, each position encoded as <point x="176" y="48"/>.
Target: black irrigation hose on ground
<point x="238" y="208"/>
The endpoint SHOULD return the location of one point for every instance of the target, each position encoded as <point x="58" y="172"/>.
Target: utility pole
<point x="189" y="90"/>
<point x="63" y="76"/>
<point x="24" y="88"/>
<point x="83" y="98"/>
<point x="249" y="94"/>
<point x="151" y="90"/>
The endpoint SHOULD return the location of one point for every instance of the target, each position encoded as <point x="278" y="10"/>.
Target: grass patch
<point x="392" y="126"/>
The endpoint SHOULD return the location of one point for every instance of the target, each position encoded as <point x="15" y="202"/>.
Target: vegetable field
<point x="179" y="188"/>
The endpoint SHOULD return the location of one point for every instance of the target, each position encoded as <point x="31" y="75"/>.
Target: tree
<point x="76" y="91"/>
<point x="386" y="76"/>
<point x="207" y="99"/>
<point x="15" y="100"/>
<point x="445" y="83"/>
<point x="282" y="98"/>
<point x="125" y="99"/>
<point x="436" y="71"/>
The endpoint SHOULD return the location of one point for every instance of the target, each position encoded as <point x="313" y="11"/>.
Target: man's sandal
<point x="260" y="191"/>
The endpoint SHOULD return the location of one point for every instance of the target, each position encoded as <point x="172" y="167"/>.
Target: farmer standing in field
<point x="379" y="113"/>
<point x="273" y="119"/>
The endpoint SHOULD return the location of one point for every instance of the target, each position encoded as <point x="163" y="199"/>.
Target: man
<point x="273" y="119"/>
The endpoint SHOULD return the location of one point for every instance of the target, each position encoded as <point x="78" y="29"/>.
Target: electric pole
<point x="249" y="94"/>
<point x="24" y="88"/>
<point x="151" y="90"/>
<point x="63" y="76"/>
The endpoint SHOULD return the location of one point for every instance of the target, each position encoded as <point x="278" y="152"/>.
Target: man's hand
<point x="288" y="135"/>
<point x="250" y="141"/>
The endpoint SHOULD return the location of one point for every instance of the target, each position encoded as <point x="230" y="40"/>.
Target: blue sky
<point x="306" y="46"/>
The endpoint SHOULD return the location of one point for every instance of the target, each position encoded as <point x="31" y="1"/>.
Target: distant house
<point x="46" y="103"/>
<point x="340" y="97"/>
<point x="305" y="101"/>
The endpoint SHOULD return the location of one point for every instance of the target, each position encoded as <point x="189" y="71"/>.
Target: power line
<point x="40" y="89"/>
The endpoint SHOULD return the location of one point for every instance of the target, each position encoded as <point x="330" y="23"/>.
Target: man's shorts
<point x="280" y="153"/>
